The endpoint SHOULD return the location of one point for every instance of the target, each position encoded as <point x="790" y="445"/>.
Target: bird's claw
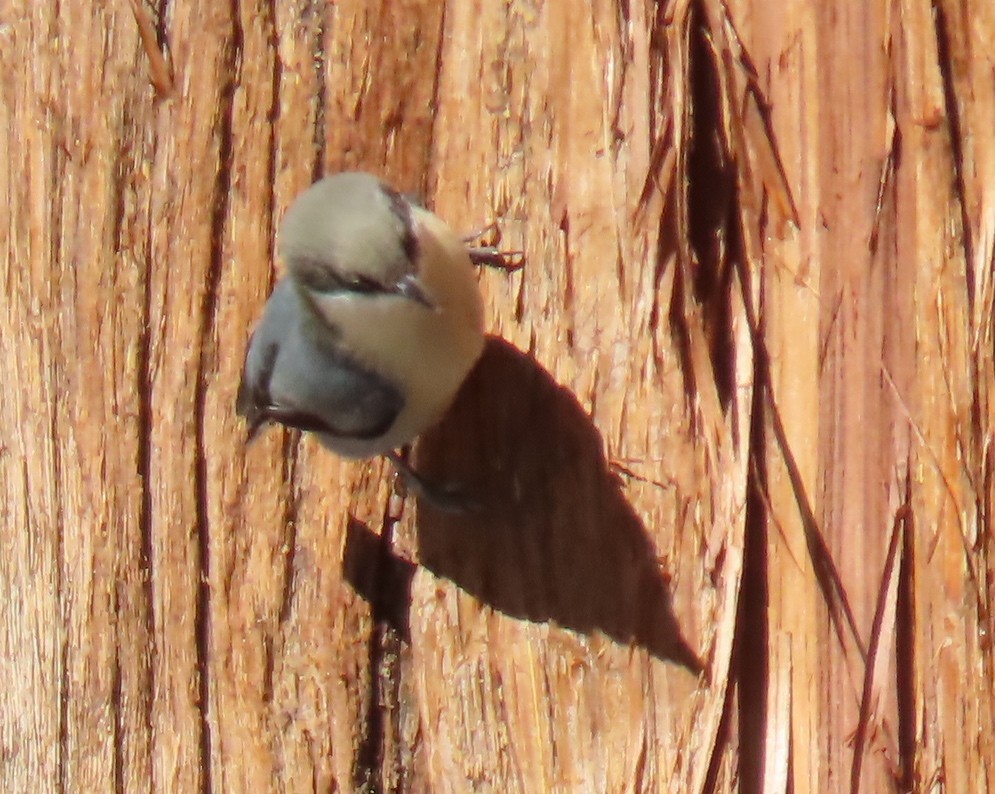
<point x="491" y="255"/>
<point x="446" y="499"/>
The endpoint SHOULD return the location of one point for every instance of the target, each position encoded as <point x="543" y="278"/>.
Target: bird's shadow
<point x="554" y="538"/>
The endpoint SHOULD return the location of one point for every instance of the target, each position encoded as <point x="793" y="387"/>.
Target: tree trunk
<point x="732" y="437"/>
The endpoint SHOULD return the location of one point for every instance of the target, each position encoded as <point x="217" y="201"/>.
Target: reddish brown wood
<point x="733" y="432"/>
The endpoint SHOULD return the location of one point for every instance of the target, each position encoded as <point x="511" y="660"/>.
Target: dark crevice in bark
<point x="51" y="342"/>
<point x="712" y="199"/>
<point x="750" y="662"/>
<point x="273" y="118"/>
<point x="288" y="457"/>
<point x="946" y="66"/>
<point x="428" y="187"/>
<point x="750" y="652"/>
<point x="366" y="773"/>
<point x="707" y="214"/>
<point x="972" y="449"/>
<point x="58" y="520"/>
<point x="319" y="9"/>
<point x="290" y="522"/>
<point x="51" y="292"/>
<point x="384" y="580"/>
<point x="221" y="204"/>
<point x="117" y="706"/>
<point x="143" y="366"/>
<point x="119" y="192"/>
<point x="289" y="561"/>
<point x="63" y="713"/>
<point x="160" y="26"/>
<point x="905" y="652"/>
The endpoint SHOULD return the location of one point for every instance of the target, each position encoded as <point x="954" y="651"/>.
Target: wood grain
<point x="733" y="430"/>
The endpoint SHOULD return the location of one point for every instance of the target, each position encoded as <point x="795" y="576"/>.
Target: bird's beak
<point x="412" y="289"/>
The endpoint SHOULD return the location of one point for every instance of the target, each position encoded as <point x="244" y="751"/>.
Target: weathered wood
<point x="733" y="435"/>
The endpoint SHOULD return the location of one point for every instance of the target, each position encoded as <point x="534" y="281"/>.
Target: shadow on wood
<point x="555" y="538"/>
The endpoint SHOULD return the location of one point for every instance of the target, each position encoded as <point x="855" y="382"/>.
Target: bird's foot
<point x="447" y="499"/>
<point x="491" y="255"/>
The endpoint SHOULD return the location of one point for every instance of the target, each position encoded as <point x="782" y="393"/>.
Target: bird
<point x="375" y="325"/>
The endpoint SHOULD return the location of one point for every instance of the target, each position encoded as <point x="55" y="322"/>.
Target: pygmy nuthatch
<point x="379" y="319"/>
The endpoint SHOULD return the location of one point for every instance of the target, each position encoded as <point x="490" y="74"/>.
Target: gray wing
<point x="302" y="380"/>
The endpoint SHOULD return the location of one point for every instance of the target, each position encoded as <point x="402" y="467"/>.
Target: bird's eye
<point x="363" y="284"/>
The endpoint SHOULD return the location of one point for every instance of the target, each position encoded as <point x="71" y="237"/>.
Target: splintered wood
<point x="733" y="436"/>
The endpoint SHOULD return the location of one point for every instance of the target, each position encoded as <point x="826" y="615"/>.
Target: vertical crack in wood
<point x="712" y="205"/>
<point x="384" y="657"/>
<point x="57" y="369"/>
<point x="972" y="451"/>
<point x="120" y="197"/>
<point x="946" y="66"/>
<point x="706" y="241"/>
<point x="202" y="619"/>
<point x="288" y="458"/>
<point x="720" y="754"/>
<point x="290" y="517"/>
<point x="751" y="643"/>
<point x="290" y="514"/>
<point x="143" y="386"/>
<point x="117" y="703"/>
<point x="52" y="368"/>
<point x="273" y="118"/>
<point x="221" y="205"/>
<point x="318" y="9"/>
<point x="117" y="706"/>
<point x="429" y="174"/>
<point x="905" y="651"/>
<point x="63" y="698"/>
<point x="366" y="768"/>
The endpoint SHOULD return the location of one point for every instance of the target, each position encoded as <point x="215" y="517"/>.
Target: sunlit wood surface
<point x="733" y="437"/>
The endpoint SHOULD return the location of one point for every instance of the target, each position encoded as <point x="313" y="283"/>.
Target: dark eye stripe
<point x="363" y="284"/>
<point x="320" y="277"/>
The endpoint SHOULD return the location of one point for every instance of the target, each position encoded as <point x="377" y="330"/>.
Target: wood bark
<point x="733" y="432"/>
